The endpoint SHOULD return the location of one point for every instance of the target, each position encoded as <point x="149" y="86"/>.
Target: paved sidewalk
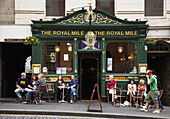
<point x="79" y="109"/>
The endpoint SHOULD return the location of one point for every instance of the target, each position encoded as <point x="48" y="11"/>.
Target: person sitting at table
<point x="141" y="91"/>
<point x="111" y="85"/>
<point x="73" y="85"/>
<point x="131" y="90"/>
<point x="38" y="83"/>
<point x="23" y="86"/>
<point x="59" y="82"/>
<point x="33" y="80"/>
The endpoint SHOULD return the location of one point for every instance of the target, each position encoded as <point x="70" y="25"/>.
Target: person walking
<point x="153" y="93"/>
<point x="159" y="88"/>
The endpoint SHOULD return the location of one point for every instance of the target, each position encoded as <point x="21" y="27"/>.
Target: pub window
<point x="154" y="7"/>
<point x="57" y="58"/>
<point x="121" y="57"/>
<point x="106" y="5"/>
<point x="55" y="7"/>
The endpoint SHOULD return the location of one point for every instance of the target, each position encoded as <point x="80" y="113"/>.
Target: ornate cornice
<point x="100" y="19"/>
<point x="79" y="19"/>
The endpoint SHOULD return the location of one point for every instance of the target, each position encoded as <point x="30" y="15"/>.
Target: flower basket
<point x="31" y="41"/>
<point x="149" y="41"/>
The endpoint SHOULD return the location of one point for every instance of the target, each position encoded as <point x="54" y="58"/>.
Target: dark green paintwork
<point x="107" y="23"/>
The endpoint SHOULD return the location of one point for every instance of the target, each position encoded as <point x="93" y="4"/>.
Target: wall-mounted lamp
<point x="130" y="57"/>
<point x="122" y="58"/>
<point x="57" y="48"/>
<point x="120" y="49"/>
<point x="69" y="48"/>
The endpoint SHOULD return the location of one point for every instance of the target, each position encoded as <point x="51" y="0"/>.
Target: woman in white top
<point x="131" y="90"/>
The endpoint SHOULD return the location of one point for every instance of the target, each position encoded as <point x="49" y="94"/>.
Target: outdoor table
<point x="63" y="87"/>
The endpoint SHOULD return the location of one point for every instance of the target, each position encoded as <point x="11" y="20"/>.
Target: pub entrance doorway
<point x="89" y="74"/>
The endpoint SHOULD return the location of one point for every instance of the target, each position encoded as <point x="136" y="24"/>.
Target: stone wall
<point x="7" y="8"/>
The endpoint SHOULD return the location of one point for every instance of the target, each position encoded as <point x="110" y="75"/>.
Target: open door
<point x="89" y="74"/>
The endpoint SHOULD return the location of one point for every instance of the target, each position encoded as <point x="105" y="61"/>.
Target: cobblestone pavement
<point x="12" y="116"/>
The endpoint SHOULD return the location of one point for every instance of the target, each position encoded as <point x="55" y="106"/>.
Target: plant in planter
<point x="149" y="41"/>
<point x="31" y="41"/>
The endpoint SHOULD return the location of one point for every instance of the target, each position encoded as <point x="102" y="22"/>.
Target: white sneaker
<point x="74" y="93"/>
<point x="143" y="109"/>
<point x="26" y="102"/>
<point x="71" y="102"/>
<point x="143" y="106"/>
<point x="156" y="111"/>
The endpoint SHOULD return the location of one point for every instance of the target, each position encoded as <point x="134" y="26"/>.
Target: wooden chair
<point x="117" y="95"/>
<point x="108" y="96"/>
<point x="39" y="94"/>
<point x="136" y="98"/>
<point x="51" y="91"/>
<point x="76" y="96"/>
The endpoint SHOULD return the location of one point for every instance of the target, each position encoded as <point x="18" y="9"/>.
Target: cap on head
<point x="110" y="76"/>
<point x="149" y="72"/>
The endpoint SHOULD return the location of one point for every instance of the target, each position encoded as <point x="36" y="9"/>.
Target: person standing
<point x="38" y="83"/>
<point x="153" y="93"/>
<point x="22" y="85"/>
<point x="73" y="84"/>
<point x="111" y="85"/>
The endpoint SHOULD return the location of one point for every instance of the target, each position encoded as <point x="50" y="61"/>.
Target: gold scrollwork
<point x="77" y="19"/>
<point x="101" y="19"/>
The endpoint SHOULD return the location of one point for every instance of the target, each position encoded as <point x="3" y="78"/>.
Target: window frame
<point x="114" y="7"/>
<point x="59" y="41"/>
<point x="137" y="57"/>
<point x="164" y="12"/>
<point x="56" y="17"/>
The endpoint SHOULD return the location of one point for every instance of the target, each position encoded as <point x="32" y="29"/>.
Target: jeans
<point x="30" y="94"/>
<point x="160" y="103"/>
<point x="73" y="90"/>
<point x="17" y="91"/>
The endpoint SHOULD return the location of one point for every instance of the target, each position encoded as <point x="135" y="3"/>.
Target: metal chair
<point x="39" y="94"/>
<point x="50" y="90"/>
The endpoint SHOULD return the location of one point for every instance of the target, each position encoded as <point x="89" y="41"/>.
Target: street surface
<point x="12" y="116"/>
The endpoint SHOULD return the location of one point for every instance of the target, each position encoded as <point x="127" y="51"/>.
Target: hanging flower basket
<point x="31" y="41"/>
<point x="149" y="41"/>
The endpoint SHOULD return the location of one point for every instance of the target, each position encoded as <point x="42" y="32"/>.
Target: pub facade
<point x="109" y="46"/>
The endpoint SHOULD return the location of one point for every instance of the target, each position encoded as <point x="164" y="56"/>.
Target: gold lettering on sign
<point x="98" y="33"/>
<point x="46" y="32"/>
<point x="132" y="33"/>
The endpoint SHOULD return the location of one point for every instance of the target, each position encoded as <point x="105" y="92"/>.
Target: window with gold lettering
<point x="121" y="57"/>
<point x="57" y="58"/>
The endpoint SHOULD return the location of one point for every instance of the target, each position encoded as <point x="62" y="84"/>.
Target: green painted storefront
<point x="107" y="28"/>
